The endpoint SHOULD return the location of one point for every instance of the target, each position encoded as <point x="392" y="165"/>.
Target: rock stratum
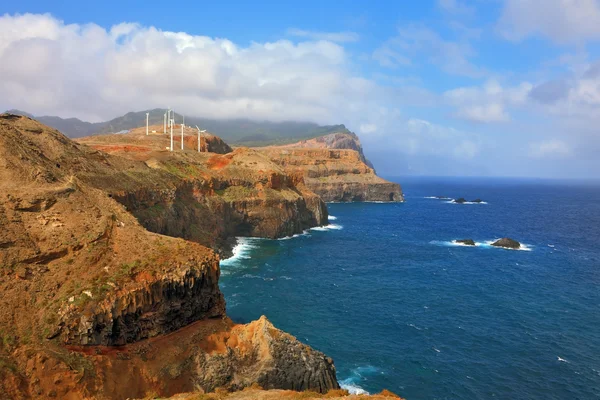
<point x="335" y="168"/>
<point x="108" y="275"/>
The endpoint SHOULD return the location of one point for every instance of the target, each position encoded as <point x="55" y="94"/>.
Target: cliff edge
<point x="94" y="305"/>
<point x="334" y="166"/>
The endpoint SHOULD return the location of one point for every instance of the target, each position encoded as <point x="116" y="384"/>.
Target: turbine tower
<point x="171" y="122"/>
<point x="147" y="115"/>
<point x="199" y="132"/>
<point x="181" y="136"/>
<point x="165" y="123"/>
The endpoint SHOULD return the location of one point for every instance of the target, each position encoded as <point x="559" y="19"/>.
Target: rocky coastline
<point x="110" y="268"/>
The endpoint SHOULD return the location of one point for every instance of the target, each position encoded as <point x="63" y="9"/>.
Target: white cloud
<point x="49" y="67"/>
<point x="487" y="103"/>
<point x="417" y="42"/>
<point x="422" y="136"/>
<point x="340" y="37"/>
<point x="550" y="148"/>
<point x="562" y="21"/>
<point x="488" y="113"/>
<point x="368" y="128"/>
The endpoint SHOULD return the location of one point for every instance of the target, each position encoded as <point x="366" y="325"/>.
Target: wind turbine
<point x="171" y="121"/>
<point x="181" y="136"/>
<point x="199" y="132"/>
<point x="147" y="115"/>
<point x="165" y="123"/>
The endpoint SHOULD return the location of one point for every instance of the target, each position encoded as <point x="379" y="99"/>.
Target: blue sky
<point x="439" y="87"/>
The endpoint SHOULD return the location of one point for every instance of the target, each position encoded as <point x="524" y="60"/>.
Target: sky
<point x="434" y="87"/>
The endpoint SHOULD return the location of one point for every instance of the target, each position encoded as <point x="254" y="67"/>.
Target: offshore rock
<point x="507" y="243"/>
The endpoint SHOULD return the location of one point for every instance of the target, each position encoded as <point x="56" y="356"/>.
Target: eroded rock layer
<point x="215" y="196"/>
<point x="78" y="272"/>
<point x="335" y="175"/>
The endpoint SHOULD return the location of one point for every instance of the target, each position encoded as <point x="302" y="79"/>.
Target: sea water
<point x="397" y="304"/>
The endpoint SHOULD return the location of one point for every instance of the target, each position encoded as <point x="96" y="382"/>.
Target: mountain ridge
<point x="239" y="131"/>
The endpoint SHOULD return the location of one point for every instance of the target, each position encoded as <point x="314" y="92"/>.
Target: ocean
<point x="385" y="292"/>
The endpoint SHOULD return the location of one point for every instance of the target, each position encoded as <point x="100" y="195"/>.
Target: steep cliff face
<point x="335" y="175"/>
<point x="215" y="196"/>
<point x="78" y="273"/>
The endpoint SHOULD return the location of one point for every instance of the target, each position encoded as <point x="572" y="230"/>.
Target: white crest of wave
<point x="332" y="217"/>
<point x="241" y="251"/>
<point x="352" y="388"/>
<point x="327" y="227"/>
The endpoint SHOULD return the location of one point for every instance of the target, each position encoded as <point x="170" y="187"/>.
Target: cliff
<point x="334" y="167"/>
<point x="94" y="305"/>
<point x="214" y="196"/>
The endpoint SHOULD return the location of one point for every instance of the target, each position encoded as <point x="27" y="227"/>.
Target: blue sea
<point x="397" y="305"/>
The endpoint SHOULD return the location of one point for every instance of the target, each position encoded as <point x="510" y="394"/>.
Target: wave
<point x="357" y="375"/>
<point x="332" y="217"/>
<point x="304" y="233"/>
<point x="241" y="251"/>
<point x="466" y="202"/>
<point x="329" y="227"/>
<point x="352" y="388"/>
<point x="438" y="198"/>
<point x="485" y="245"/>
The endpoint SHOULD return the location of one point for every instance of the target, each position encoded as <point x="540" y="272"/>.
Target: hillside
<point x="97" y="304"/>
<point x="241" y="132"/>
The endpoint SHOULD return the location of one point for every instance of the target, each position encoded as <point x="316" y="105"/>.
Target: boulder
<point x="507" y="243"/>
<point x="477" y="201"/>
<point x="460" y="200"/>
<point x="467" y="242"/>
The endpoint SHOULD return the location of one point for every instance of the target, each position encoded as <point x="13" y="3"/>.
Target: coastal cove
<point x="397" y="305"/>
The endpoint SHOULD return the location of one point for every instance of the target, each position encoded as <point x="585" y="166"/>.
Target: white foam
<point x="437" y="198"/>
<point x="329" y="227"/>
<point x="241" y="251"/>
<point x="358" y="374"/>
<point x="353" y="388"/>
<point x="485" y="245"/>
<point x="304" y="233"/>
<point x="332" y="217"/>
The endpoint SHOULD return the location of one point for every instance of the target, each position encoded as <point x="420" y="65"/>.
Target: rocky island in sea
<point x="110" y="266"/>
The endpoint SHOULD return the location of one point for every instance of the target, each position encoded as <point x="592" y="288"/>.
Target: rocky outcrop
<point x="466" y="242"/>
<point x="507" y="243"/>
<point x="335" y="175"/>
<point x="283" y="361"/>
<point x="95" y="306"/>
<point x="154" y="306"/>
